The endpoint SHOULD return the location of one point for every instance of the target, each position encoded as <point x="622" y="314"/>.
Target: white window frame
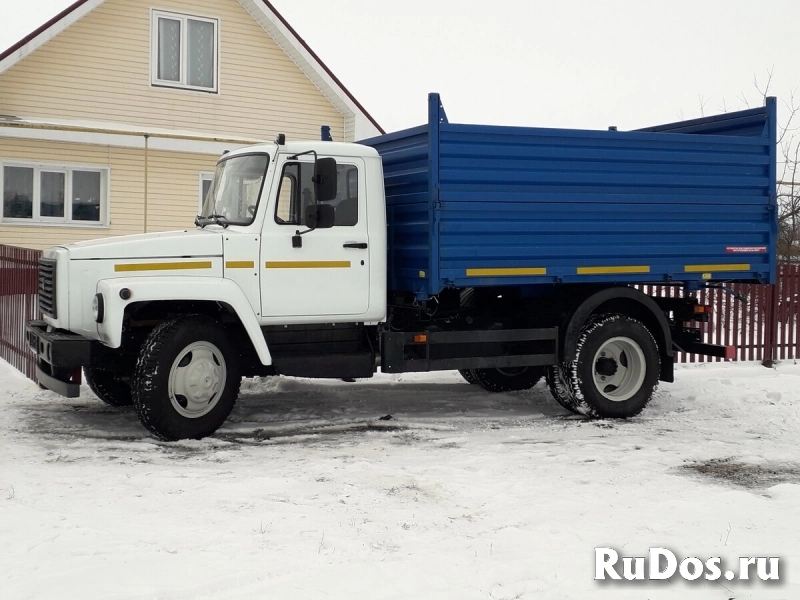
<point x="184" y="65"/>
<point x="204" y="176"/>
<point x="67" y="220"/>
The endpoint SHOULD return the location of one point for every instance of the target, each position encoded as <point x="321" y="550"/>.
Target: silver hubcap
<point x="197" y="379"/>
<point x="619" y="369"/>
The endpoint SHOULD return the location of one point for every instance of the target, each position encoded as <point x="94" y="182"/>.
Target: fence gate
<point x="19" y="280"/>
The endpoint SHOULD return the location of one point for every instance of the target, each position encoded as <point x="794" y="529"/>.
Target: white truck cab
<point x="259" y="202"/>
<point x="290" y="234"/>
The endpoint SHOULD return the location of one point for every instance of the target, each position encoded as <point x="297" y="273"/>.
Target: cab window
<point x="296" y="192"/>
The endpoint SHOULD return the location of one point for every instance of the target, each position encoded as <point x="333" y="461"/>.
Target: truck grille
<point x="47" y="287"/>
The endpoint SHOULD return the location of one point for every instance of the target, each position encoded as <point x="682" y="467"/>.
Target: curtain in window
<point x="201" y="53"/>
<point x="169" y="49"/>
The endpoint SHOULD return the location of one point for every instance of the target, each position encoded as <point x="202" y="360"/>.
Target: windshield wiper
<point x="202" y="221"/>
<point x="217" y="218"/>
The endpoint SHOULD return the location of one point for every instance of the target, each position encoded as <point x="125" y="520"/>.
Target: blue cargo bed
<point x="477" y="205"/>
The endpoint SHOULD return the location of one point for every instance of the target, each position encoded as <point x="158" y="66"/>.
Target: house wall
<point x="173" y="188"/>
<point x="99" y="69"/>
<point x="173" y="184"/>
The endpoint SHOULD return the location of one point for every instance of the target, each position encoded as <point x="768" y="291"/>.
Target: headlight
<point x="98" y="308"/>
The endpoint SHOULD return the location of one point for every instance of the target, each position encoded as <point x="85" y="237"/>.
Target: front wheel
<point x="187" y="379"/>
<point x="108" y="387"/>
<point x="509" y="379"/>
<point x="615" y="369"/>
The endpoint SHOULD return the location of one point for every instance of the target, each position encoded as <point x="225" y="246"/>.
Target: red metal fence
<point x="761" y="321"/>
<point x="19" y="269"/>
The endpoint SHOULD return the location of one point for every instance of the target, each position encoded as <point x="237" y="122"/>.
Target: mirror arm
<point x="297" y="241"/>
<point x="294" y="157"/>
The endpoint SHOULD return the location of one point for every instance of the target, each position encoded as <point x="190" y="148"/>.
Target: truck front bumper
<point x="59" y="357"/>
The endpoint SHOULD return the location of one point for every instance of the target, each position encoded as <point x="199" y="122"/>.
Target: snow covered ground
<point x="305" y="493"/>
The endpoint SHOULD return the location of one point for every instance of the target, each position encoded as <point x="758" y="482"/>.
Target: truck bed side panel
<point x="530" y="206"/>
<point x="692" y="201"/>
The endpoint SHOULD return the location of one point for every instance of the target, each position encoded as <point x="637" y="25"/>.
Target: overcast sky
<point x="555" y="63"/>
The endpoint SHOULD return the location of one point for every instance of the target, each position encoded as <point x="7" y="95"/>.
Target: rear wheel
<point x="616" y="368"/>
<point x="187" y="379"/>
<point x="106" y="386"/>
<point x="558" y="384"/>
<point x="468" y="375"/>
<point x="510" y="379"/>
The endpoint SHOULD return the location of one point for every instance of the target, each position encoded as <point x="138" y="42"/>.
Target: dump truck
<point x="507" y="253"/>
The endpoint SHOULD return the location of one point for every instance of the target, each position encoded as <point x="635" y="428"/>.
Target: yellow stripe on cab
<point x="308" y="264"/>
<point x="162" y="266"/>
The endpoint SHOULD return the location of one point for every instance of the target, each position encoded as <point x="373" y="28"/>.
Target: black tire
<point x="619" y="353"/>
<point x="469" y="376"/>
<point x="508" y="380"/>
<point x="558" y="384"/>
<point x="107" y="387"/>
<point x="201" y="347"/>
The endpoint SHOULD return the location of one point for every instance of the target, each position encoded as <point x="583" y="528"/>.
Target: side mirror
<point x="320" y="216"/>
<point x="325" y="176"/>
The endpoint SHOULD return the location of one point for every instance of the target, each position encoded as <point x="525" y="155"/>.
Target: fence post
<point x="771" y="334"/>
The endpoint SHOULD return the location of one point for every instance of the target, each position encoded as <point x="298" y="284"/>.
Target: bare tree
<point x="788" y="191"/>
<point x="788" y="172"/>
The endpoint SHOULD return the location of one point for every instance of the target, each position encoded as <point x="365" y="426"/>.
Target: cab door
<point x="319" y="275"/>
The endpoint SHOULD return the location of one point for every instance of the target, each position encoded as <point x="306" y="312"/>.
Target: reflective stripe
<point x="506" y="272"/>
<point x="612" y="270"/>
<point x="308" y="264"/>
<point x="240" y="264"/>
<point x="163" y="266"/>
<point x="702" y="268"/>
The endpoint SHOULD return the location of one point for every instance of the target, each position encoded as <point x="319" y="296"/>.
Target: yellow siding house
<point x="113" y="113"/>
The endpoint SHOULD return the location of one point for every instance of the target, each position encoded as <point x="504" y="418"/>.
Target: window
<point x="206" y="180"/>
<point x="233" y="197"/>
<point x="184" y="51"/>
<point x="40" y="193"/>
<point x="296" y="193"/>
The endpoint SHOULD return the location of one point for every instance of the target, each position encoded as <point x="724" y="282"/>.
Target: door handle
<point x="359" y="245"/>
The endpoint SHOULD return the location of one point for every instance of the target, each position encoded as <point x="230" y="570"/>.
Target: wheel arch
<point x="632" y="303"/>
<point x="157" y="299"/>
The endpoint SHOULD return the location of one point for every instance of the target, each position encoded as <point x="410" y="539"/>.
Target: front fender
<point x="149" y="289"/>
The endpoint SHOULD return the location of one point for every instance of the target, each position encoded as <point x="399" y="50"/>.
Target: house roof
<point x="262" y="11"/>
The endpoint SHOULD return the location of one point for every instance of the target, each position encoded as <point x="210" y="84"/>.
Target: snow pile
<point x="307" y="493"/>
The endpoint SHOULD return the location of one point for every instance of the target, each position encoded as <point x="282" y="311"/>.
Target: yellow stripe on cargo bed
<point x="510" y="272"/>
<point x="613" y="270"/>
<point x="711" y="268"/>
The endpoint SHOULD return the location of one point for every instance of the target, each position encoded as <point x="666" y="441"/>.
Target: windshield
<point x="233" y="196"/>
